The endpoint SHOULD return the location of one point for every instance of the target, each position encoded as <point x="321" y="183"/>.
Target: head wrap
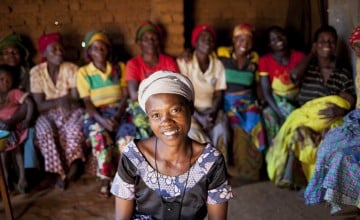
<point x="243" y="29"/>
<point x="355" y="36"/>
<point x="14" y="40"/>
<point x="197" y="31"/>
<point x="45" y="40"/>
<point x="147" y="26"/>
<point x="165" y="82"/>
<point x="95" y="35"/>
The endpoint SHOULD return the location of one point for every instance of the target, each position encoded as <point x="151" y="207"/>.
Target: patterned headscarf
<point x="95" y="35"/>
<point x="147" y="26"/>
<point x="165" y="82"/>
<point x="355" y="36"/>
<point x="197" y="31"/>
<point x="45" y="40"/>
<point x="243" y="29"/>
<point x="14" y="40"/>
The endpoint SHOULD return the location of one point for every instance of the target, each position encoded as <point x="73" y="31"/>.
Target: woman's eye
<point x="175" y="110"/>
<point x="155" y="116"/>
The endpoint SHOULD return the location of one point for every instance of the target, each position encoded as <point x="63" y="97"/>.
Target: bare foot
<point x="22" y="185"/>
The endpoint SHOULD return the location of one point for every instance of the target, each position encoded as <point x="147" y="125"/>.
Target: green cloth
<point x="240" y="77"/>
<point x="14" y="40"/>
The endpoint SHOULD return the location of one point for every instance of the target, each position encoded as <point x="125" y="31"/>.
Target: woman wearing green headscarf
<point x="14" y="53"/>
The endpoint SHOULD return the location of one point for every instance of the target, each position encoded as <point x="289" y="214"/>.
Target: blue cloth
<point x="30" y="156"/>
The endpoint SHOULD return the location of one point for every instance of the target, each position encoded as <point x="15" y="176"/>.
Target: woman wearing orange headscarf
<point x="248" y="135"/>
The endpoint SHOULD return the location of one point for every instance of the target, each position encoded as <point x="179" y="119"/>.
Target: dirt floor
<point x="260" y="200"/>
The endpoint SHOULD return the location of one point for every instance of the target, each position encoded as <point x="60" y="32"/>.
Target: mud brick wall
<point x="120" y="18"/>
<point x="74" y="18"/>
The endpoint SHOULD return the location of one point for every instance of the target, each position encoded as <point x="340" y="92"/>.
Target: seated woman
<point x="15" y="54"/>
<point x="170" y="176"/>
<point x="59" y="125"/>
<point x="336" y="179"/>
<point x="278" y="90"/>
<point x="326" y="94"/>
<point x="11" y="99"/>
<point x="102" y="87"/>
<point x="151" y="59"/>
<point x="207" y="74"/>
<point x="248" y="135"/>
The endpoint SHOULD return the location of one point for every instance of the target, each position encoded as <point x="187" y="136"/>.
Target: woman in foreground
<point x="169" y="175"/>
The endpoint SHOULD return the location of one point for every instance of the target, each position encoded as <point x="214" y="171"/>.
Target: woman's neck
<point x="326" y="62"/>
<point x="174" y="153"/>
<point x="281" y="56"/>
<point x="52" y="68"/>
<point x="101" y="65"/>
<point x="150" y="58"/>
<point x="203" y="59"/>
<point x="241" y="60"/>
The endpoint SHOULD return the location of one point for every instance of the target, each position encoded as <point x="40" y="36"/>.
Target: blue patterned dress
<point x="337" y="172"/>
<point x="137" y="180"/>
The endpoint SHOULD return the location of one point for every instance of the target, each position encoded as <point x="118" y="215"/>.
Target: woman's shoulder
<point x="266" y="56"/>
<point x="136" y="151"/>
<point x="206" y="154"/>
<point x="134" y="60"/>
<point x="69" y="67"/>
<point x="39" y="67"/>
<point x="296" y="54"/>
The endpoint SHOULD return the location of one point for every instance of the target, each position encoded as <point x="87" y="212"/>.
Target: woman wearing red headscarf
<point x="207" y="74"/>
<point x="336" y="179"/>
<point x="59" y="126"/>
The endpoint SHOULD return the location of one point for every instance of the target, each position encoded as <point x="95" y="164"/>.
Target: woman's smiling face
<point x="169" y="117"/>
<point x="326" y="44"/>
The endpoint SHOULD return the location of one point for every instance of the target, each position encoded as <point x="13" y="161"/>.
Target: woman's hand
<point x="64" y="102"/>
<point x="108" y="124"/>
<point x="206" y="122"/>
<point x="332" y="111"/>
<point x="186" y="55"/>
<point x="24" y="124"/>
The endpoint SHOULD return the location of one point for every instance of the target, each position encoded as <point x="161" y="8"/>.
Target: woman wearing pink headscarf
<point x="59" y="126"/>
<point x="336" y="179"/>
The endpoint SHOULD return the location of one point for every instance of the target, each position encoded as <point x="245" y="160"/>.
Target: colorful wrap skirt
<point x="337" y="172"/>
<point x="248" y="135"/>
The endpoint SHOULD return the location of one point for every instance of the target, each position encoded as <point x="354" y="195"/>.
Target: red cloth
<point x="355" y="36"/>
<point x="275" y="70"/>
<point x="197" y="31"/>
<point x="47" y="39"/>
<point x="136" y="69"/>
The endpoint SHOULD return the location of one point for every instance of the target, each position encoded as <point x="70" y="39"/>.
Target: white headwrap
<point x="165" y="82"/>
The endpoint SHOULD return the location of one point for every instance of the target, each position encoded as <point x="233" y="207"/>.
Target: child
<point x="102" y="87"/>
<point x="12" y="100"/>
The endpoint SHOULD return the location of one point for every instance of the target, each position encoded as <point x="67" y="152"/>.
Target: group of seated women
<point x="283" y="106"/>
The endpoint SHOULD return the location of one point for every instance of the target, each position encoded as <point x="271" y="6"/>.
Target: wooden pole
<point x="5" y="194"/>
